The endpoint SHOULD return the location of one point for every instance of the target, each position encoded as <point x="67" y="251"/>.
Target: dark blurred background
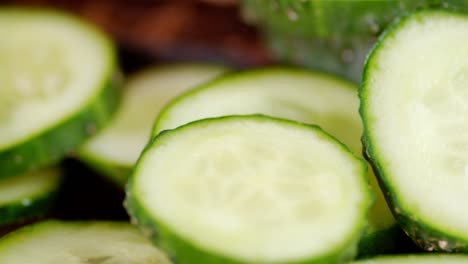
<point x="172" y="30"/>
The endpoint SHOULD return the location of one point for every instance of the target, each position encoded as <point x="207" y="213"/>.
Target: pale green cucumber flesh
<point x="115" y="149"/>
<point x="56" y="242"/>
<point x="290" y="93"/>
<point x="58" y="82"/>
<point x="416" y="259"/>
<point x="413" y="103"/>
<point x="245" y="181"/>
<point x="27" y="196"/>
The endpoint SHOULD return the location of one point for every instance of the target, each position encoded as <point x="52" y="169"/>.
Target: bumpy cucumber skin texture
<point x="308" y="32"/>
<point x="425" y="235"/>
<point x="183" y="252"/>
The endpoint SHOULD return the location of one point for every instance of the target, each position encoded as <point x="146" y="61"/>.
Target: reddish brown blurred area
<point x="173" y="30"/>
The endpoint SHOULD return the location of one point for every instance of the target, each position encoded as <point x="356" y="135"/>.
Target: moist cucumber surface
<point x="413" y="105"/>
<point x="416" y="259"/>
<point x="56" y="242"/>
<point x="56" y="84"/>
<point x="116" y="148"/>
<point x="294" y="94"/>
<point x="308" y="32"/>
<point x="250" y="189"/>
<point x="26" y="196"/>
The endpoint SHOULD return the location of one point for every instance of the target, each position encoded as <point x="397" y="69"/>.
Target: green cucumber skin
<point x="182" y="252"/>
<point x="18" y="213"/>
<point x="357" y="17"/>
<point x="160" y="119"/>
<point x="388" y="241"/>
<point x="370" y="244"/>
<point x="423" y="234"/>
<point x="52" y="145"/>
<point x="307" y="32"/>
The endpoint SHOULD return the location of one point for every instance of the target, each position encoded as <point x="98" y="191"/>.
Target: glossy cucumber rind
<point x="185" y="252"/>
<point x="332" y="36"/>
<point x="424" y="234"/>
<point x="52" y="145"/>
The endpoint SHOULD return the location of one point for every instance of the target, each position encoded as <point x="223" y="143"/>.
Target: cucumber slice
<point x="417" y="259"/>
<point x="115" y="150"/>
<point x="308" y="32"/>
<point x="57" y="86"/>
<point x="55" y="242"/>
<point x="250" y="189"/>
<point x="28" y="196"/>
<point x="413" y="104"/>
<point x="292" y="94"/>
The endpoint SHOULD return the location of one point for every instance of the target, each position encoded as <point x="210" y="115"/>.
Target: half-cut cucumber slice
<point x="56" y="86"/>
<point x="417" y="259"/>
<point x="115" y="150"/>
<point x="55" y="242"/>
<point x="414" y="106"/>
<point x="294" y="94"/>
<point x="28" y="196"/>
<point x="250" y="189"/>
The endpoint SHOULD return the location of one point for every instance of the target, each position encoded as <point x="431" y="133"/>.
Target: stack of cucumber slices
<point x="265" y="166"/>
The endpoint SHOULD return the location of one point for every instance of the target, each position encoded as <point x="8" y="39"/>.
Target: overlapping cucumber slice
<point x="414" y="106"/>
<point x="57" y="242"/>
<point x="28" y="196"/>
<point x="57" y="83"/>
<point x="250" y="189"/>
<point x="115" y="150"/>
<point x="294" y="94"/>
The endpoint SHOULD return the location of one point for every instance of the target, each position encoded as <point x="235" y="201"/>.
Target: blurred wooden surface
<point x="172" y="30"/>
